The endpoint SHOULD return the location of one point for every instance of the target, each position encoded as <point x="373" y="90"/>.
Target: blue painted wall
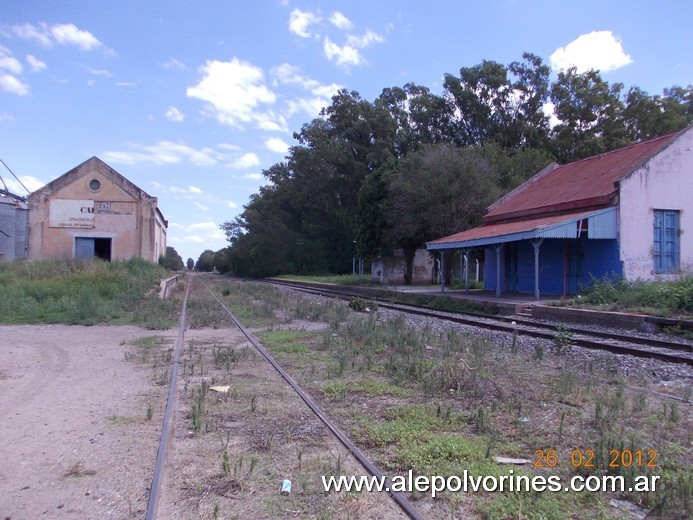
<point x="600" y="258"/>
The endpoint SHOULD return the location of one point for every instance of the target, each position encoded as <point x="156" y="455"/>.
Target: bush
<point x="664" y="298"/>
<point x="74" y="291"/>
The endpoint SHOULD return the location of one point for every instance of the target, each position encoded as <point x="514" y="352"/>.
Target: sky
<point x="192" y="100"/>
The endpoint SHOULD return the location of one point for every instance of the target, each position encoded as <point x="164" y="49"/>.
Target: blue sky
<point x="191" y="100"/>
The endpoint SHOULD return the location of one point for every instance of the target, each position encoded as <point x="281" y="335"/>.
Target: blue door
<point x="511" y="274"/>
<point x="573" y="258"/>
<point x="84" y="247"/>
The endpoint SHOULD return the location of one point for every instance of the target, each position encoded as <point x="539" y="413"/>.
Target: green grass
<point x="338" y="279"/>
<point x="367" y="387"/>
<point x="657" y="298"/>
<point x="287" y="341"/>
<point x="74" y="291"/>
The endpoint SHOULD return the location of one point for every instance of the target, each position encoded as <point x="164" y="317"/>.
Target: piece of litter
<point x="509" y="460"/>
<point x="286" y="487"/>
<point x="222" y="389"/>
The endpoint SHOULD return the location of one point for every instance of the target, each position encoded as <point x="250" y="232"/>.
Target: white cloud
<point x="9" y="62"/>
<point x="348" y="54"/>
<point x="31" y="183"/>
<point x="247" y="160"/>
<point x="276" y="145"/>
<point x="231" y="147"/>
<point x="271" y="121"/>
<point x="102" y="73"/>
<point x="201" y="206"/>
<point x="286" y="74"/>
<point x="63" y="34"/>
<point x="208" y="234"/>
<point x="253" y="176"/>
<point x="40" y="35"/>
<point x="231" y="204"/>
<point x="69" y="34"/>
<point x="598" y="50"/>
<point x="343" y="56"/>
<point x="300" y="21"/>
<point x="163" y="152"/>
<point x="5" y="116"/>
<point x="175" y="115"/>
<point x="173" y="63"/>
<point x="12" y="84"/>
<point x="340" y="21"/>
<point x="233" y="90"/>
<point x="361" y="42"/>
<point x="10" y="69"/>
<point x="202" y="226"/>
<point x="194" y="189"/>
<point x="36" y="64"/>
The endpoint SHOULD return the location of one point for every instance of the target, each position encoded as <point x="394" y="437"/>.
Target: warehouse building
<point x="93" y="211"/>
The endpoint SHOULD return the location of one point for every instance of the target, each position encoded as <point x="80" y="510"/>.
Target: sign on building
<point x="66" y="213"/>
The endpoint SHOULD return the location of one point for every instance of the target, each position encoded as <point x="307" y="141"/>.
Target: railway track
<point x="660" y="349"/>
<point x="625" y="344"/>
<point x="167" y="429"/>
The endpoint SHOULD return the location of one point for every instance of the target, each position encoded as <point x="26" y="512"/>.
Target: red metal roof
<point x="588" y="183"/>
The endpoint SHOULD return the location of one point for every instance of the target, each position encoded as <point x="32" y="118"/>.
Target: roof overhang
<point x="600" y="224"/>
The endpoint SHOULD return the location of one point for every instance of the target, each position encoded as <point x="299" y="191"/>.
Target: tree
<point x="435" y="192"/>
<point x="171" y="260"/>
<point x="502" y="104"/>
<point x="206" y="261"/>
<point x="590" y="114"/>
<point x="190" y="264"/>
<point x="419" y="117"/>
<point x="648" y="116"/>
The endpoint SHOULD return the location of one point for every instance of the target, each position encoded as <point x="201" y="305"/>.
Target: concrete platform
<point x="508" y="303"/>
<point x="523" y="304"/>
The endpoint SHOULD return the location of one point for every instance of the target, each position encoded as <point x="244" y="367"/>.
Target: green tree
<point x="502" y="104"/>
<point x="419" y="117"/>
<point x="435" y="192"/>
<point x="190" y="264"/>
<point x="171" y="260"/>
<point x="590" y="114"/>
<point x="648" y="116"/>
<point x="206" y="261"/>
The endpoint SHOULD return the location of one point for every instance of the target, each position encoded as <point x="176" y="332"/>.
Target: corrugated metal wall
<point x="13" y="229"/>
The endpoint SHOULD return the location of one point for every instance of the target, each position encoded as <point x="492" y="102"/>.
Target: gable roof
<point x="581" y="185"/>
<point x="88" y="166"/>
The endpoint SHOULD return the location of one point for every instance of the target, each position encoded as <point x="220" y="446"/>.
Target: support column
<point x="442" y="270"/>
<point x="499" y="248"/>
<point x="466" y="269"/>
<point x="536" y="243"/>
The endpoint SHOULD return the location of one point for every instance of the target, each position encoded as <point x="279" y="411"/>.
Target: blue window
<point x="666" y="241"/>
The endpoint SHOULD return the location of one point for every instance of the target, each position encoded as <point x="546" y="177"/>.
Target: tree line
<point x="365" y="178"/>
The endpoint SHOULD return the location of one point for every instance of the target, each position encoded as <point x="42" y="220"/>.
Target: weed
<point x="361" y="305"/>
<point x="563" y="339"/>
<point x="77" y="471"/>
<point x="150" y="412"/>
<point x="538" y="352"/>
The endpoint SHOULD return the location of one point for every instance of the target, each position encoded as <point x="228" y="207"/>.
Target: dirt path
<point x="75" y="441"/>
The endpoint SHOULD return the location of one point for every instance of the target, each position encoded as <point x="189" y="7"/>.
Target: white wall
<point x="664" y="182"/>
<point x="390" y="270"/>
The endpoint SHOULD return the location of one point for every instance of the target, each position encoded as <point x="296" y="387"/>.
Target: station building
<point x="628" y="212"/>
<point x="93" y="211"/>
